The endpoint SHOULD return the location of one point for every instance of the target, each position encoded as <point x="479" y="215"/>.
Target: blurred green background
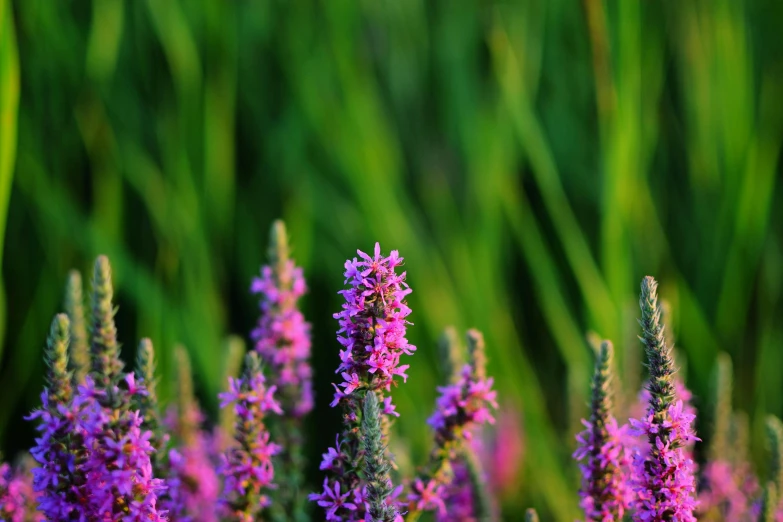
<point x="531" y="161"/>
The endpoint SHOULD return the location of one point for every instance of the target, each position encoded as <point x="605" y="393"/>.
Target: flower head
<point x="372" y="327"/>
<point x="603" y="450"/>
<point x="247" y="468"/>
<point x="282" y="336"/>
<point x="663" y="472"/>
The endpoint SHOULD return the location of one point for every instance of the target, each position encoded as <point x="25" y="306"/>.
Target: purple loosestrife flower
<point x="466" y="403"/>
<point x="465" y="497"/>
<point x="282" y="340"/>
<point x="462" y="407"/>
<point x="726" y="487"/>
<point x="60" y="451"/>
<point x="193" y="485"/>
<point x="17" y="499"/>
<point x="663" y="478"/>
<point x="602" y="450"/>
<point x="372" y="332"/>
<point x="501" y="448"/>
<point x="372" y="325"/>
<point x="247" y="468"/>
<point x="282" y="336"/>
<point x="120" y="480"/>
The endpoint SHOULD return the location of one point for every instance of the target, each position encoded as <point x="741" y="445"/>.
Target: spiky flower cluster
<point x="193" y="484"/>
<point x="247" y="468"/>
<point x="461" y="408"/>
<point x="372" y="332"/>
<point x="603" y="451"/>
<point x="372" y="325"/>
<point x="104" y="453"/>
<point x="663" y="475"/>
<point x="282" y="336"/>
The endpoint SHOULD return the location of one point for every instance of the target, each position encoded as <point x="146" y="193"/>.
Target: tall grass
<point x="532" y="161"/>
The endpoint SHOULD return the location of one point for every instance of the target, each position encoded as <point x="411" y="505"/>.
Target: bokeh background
<point x="531" y="161"/>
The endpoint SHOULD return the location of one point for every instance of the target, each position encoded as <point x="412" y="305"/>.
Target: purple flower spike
<point x="247" y="468"/>
<point x="603" y="450"/>
<point x="372" y="324"/>
<point x="282" y="336"/>
<point x="372" y="333"/>
<point x="663" y="472"/>
<point x="461" y="409"/>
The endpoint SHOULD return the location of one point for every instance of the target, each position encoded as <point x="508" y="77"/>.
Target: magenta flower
<point x="663" y="472"/>
<point x="606" y="493"/>
<point x="372" y="333"/>
<point x="458" y="497"/>
<point x="282" y="336"/>
<point x="17" y="499"/>
<point x="502" y="448"/>
<point x="332" y="500"/>
<point x="725" y="492"/>
<point x="247" y="468"/>
<point x="663" y="478"/>
<point x="428" y="495"/>
<point x="373" y="323"/>
<point x="460" y="410"/>
<point x="193" y="484"/>
<point x="120" y="482"/>
<point x="603" y="450"/>
<point x="463" y="406"/>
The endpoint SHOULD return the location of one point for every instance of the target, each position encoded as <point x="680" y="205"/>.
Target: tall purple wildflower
<point x="663" y="478"/>
<point x="120" y="481"/>
<point x="282" y="336"/>
<point x="193" y="485"/>
<point x="247" y="468"/>
<point x="605" y="457"/>
<point x="462" y="407"/>
<point x="282" y="340"/>
<point x="372" y="332"/>
<point x="60" y="453"/>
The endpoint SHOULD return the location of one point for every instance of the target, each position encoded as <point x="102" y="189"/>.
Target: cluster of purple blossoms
<point x="118" y="466"/>
<point x="607" y="494"/>
<point x="192" y="480"/>
<point x="727" y="492"/>
<point x="462" y="406"/>
<point x="662" y="472"/>
<point x="458" y="499"/>
<point x="247" y="468"/>
<point x="663" y="478"/>
<point x="603" y="450"/>
<point x="193" y="485"/>
<point x="17" y="498"/>
<point x="282" y="336"/>
<point x="372" y="325"/>
<point x="102" y="454"/>
<point x="460" y="410"/>
<point x="372" y="332"/>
